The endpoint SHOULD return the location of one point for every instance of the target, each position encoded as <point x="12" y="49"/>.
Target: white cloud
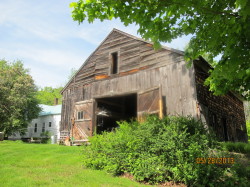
<point x="47" y="77"/>
<point x="53" y="58"/>
<point x="95" y="33"/>
<point x="32" y="18"/>
<point x="47" y="67"/>
<point x="43" y="35"/>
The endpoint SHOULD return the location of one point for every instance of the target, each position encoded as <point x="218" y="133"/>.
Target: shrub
<point x="45" y="137"/>
<point x="158" y="150"/>
<point x="238" y="147"/>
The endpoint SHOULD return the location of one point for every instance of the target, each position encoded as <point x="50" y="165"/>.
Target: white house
<point x="48" y="122"/>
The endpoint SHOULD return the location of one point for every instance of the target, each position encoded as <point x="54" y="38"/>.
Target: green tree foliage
<point x="18" y="104"/>
<point x="47" y="95"/>
<point x="218" y="28"/>
<point x="160" y="150"/>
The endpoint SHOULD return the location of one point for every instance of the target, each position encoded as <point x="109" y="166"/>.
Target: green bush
<point x="159" y="150"/>
<point x="238" y="147"/>
<point x="45" y="137"/>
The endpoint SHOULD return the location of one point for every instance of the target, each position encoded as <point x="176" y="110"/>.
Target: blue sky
<point x="44" y="36"/>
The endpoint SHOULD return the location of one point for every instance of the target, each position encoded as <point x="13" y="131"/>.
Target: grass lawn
<point x="23" y="164"/>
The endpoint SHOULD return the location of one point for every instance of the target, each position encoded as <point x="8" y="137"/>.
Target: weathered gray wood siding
<point x="176" y="81"/>
<point x="140" y="68"/>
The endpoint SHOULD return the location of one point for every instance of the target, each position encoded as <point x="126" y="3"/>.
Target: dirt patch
<point x="171" y="183"/>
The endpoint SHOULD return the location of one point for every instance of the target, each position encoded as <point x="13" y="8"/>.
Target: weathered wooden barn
<point x="125" y="78"/>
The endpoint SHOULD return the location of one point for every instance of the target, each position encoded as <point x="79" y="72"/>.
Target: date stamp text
<point x="215" y="160"/>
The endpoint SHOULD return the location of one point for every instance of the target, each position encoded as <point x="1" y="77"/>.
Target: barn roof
<point x="50" y="110"/>
<point x="128" y="35"/>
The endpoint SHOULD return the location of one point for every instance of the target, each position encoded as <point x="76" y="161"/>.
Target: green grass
<point x="26" y="165"/>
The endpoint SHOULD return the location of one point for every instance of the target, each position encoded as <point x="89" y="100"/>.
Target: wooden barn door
<point x="82" y="125"/>
<point x="149" y="102"/>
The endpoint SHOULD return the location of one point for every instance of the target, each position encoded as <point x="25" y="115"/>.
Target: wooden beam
<point x="110" y="103"/>
<point x="160" y="103"/>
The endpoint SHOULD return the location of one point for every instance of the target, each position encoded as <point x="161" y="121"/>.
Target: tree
<point x="47" y="95"/>
<point x="18" y="104"/>
<point x="219" y="28"/>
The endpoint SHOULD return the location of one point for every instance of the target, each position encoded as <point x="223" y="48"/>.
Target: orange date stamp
<point x="212" y="160"/>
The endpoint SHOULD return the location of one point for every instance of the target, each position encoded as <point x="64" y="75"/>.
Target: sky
<point x="43" y="35"/>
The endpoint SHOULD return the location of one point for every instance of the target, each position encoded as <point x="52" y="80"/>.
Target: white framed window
<point x="50" y="124"/>
<point x="35" y="129"/>
<point x="79" y="115"/>
<point x="43" y="128"/>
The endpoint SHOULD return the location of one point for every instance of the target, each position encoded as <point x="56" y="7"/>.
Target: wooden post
<point x="94" y="118"/>
<point x="160" y="103"/>
<point x="161" y="109"/>
<point x="72" y="127"/>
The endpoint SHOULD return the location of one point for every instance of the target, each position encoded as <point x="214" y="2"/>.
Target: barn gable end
<point x="124" y="78"/>
<point x="139" y="68"/>
<point x="133" y="53"/>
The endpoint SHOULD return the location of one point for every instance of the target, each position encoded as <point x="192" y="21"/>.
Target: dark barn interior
<point x="113" y="109"/>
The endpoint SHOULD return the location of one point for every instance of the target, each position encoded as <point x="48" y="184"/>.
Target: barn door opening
<point x="149" y="102"/>
<point x="112" y="109"/>
<point x="82" y="121"/>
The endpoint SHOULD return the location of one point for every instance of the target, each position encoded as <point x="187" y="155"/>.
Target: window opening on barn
<point x="35" y="129"/>
<point x="43" y="128"/>
<point x="80" y="115"/>
<point x="213" y="122"/>
<point x="224" y="123"/>
<point x="49" y="124"/>
<point x="114" y="63"/>
<point x="212" y="119"/>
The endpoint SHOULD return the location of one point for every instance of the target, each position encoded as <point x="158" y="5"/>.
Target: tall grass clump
<point x="238" y="147"/>
<point x="159" y="150"/>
